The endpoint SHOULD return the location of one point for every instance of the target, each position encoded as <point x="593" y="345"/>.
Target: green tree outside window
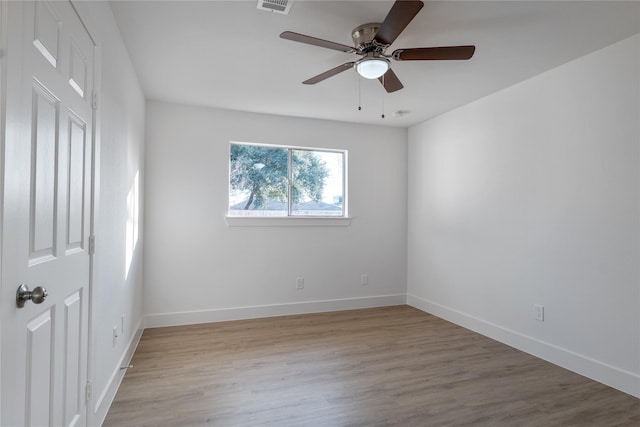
<point x="277" y="181"/>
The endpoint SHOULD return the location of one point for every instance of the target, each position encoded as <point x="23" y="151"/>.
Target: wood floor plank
<point x="390" y="366"/>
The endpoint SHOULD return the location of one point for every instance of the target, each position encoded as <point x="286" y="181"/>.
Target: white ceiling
<point x="228" y="54"/>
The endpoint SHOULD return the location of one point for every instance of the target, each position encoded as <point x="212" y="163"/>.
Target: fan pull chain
<point x="359" y="93"/>
<point x="382" y="116"/>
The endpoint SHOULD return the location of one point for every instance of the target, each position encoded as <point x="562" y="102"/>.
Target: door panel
<point x="39" y="372"/>
<point x="77" y="69"/>
<point x="46" y="34"/>
<point x="75" y="178"/>
<point x="47" y="173"/>
<point x="44" y="174"/>
<point x="72" y="377"/>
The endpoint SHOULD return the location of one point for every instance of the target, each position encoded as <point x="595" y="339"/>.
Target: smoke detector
<point x="400" y="113"/>
<point x="277" y="6"/>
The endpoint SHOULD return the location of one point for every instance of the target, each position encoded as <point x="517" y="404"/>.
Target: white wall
<point x="532" y="196"/>
<point x="198" y="269"/>
<point x="117" y="269"/>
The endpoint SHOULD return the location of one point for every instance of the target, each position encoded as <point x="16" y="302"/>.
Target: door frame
<point x="90" y="415"/>
<point x="3" y="98"/>
<point x="3" y="40"/>
<point x="93" y="204"/>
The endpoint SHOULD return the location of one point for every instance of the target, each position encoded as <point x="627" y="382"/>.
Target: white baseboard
<point x="104" y="401"/>
<point x="619" y="379"/>
<point x="254" y="312"/>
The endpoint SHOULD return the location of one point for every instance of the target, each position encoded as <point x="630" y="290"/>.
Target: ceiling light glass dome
<point x="372" y="68"/>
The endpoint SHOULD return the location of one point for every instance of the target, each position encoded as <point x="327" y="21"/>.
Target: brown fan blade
<point x="434" y="53"/>
<point x="289" y="35"/>
<point x="329" y="73"/>
<point x="390" y="81"/>
<point x="401" y="13"/>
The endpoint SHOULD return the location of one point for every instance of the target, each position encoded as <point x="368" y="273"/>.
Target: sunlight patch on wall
<point x="133" y="219"/>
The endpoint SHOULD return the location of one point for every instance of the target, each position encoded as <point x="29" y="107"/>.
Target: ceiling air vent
<point x="278" y="6"/>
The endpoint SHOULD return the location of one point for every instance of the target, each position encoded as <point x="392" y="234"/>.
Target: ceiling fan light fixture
<point x="372" y="68"/>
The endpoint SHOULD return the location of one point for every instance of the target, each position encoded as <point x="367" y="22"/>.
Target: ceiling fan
<point x="372" y="40"/>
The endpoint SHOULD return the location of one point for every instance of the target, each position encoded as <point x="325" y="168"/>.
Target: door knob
<point x="38" y="295"/>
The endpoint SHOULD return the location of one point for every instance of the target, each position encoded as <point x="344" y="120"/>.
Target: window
<point x="275" y="181"/>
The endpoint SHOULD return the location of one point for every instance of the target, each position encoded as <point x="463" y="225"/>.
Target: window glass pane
<point x="258" y="180"/>
<point x="317" y="186"/>
<point x="282" y="181"/>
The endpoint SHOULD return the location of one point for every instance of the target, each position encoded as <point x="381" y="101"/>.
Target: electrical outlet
<point x="115" y="336"/>
<point x="538" y="312"/>
<point x="299" y="283"/>
<point x="364" y="280"/>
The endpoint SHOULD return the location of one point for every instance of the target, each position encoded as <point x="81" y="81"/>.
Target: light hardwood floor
<point x="391" y="366"/>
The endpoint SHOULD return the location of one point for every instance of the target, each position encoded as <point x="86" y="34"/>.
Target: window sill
<point x="243" y="221"/>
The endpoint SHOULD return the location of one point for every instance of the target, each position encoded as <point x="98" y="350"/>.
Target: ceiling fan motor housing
<point x="363" y="36"/>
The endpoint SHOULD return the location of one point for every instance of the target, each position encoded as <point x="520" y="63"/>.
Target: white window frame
<point x="289" y="219"/>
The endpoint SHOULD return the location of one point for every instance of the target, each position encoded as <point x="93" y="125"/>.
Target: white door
<point x="46" y="213"/>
